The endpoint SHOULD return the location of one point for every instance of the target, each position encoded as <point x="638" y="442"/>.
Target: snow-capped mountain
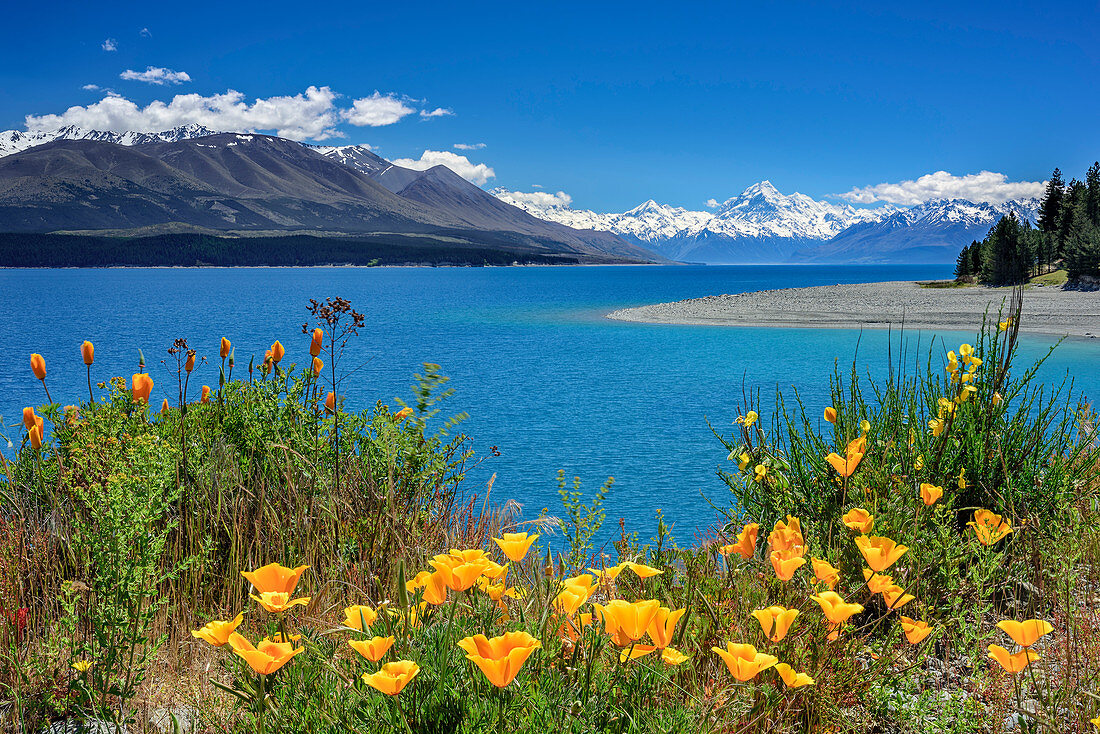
<point x="931" y="232"/>
<point x="758" y="225"/>
<point x="14" y="141"/>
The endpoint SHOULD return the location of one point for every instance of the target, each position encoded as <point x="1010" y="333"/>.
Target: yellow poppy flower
<point x="278" y="601"/>
<point x="836" y="610"/>
<point x="635" y="652"/>
<point x="877" y="582"/>
<point x="663" y="626"/>
<point x="393" y="677"/>
<point x="265" y="658"/>
<point x="825" y="572"/>
<point x="830" y="414"/>
<point x="626" y="622"/>
<point x="1012" y="662"/>
<point x="859" y="519"/>
<point x="642" y="570"/>
<point x="896" y="597"/>
<point x="743" y="661"/>
<point x="359" y="617"/>
<point x="791" y="678"/>
<point x="516" y="545"/>
<point x="845" y="466"/>
<point x="672" y="656"/>
<point x="775" y="621"/>
<point x="570" y="599"/>
<point x="274" y="577"/>
<point x="930" y="494"/>
<point x="786" y="563"/>
<point x="915" y="631"/>
<point x="787" y="537"/>
<point x="989" y="527"/>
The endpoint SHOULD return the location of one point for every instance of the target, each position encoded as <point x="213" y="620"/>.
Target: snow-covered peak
<point x="14" y="141"/>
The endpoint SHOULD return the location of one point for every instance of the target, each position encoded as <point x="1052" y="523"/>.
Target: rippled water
<point x="545" y="378"/>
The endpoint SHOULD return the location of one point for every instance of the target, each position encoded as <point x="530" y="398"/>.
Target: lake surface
<point x="544" y="376"/>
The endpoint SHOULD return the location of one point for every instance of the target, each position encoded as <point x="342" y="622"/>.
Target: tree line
<point x="1067" y="235"/>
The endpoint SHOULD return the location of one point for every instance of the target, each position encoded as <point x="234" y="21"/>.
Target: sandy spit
<point x="1047" y="309"/>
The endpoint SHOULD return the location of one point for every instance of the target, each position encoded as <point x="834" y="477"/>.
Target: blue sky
<point x="611" y="103"/>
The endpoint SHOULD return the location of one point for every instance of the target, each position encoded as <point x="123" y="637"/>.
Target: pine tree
<point x="1004" y="253"/>
<point x="1082" y="246"/>
<point x="1092" y="194"/>
<point x="962" y="264"/>
<point x="1073" y="197"/>
<point x="1050" y="209"/>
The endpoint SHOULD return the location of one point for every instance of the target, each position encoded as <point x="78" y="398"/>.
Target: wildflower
<point x="1014" y="662"/>
<point x="226" y="347"/>
<point x="205" y="394"/>
<point x="403" y="414"/>
<point x="877" y="582"/>
<point x="500" y="658"/>
<point x="743" y="461"/>
<point x="359" y="617"/>
<point x="142" y="386"/>
<point x="274" y="578"/>
<point x="189" y="363"/>
<point x="748" y="419"/>
<point x="746" y="542"/>
<point x="81" y="666"/>
<point x="836" y="610"/>
<point x="634" y="652"/>
<point x="760" y="472"/>
<point x="830" y="414"/>
<point x="962" y="478"/>
<point x="315" y="342"/>
<point x="609" y="573"/>
<point x="643" y="571"/>
<point x="217" y="632"/>
<point x="880" y="553"/>
<point x="277" y="352"/>
<point x="989" y="527"/>
<point x="1026" y="633"/>
<point x="663" y="625"/>
<point x="787" y="536"/>
<point x="965" y="393"/>
<point x="791" y="678"/>
<point x="865" y="426"/>
<point x="278" y="601"/>
<point x="330" y="402"/>
<point x="896" y="597"/>
<point x="626" y="622"/>
<point x="825" y="572"/>
<point x="373" y="649"/>
<point x="87" y="352"/>
<point x="515" y="545"/>
<point x="35" y="436"/>
<point x="672" y="656"/>
<point x="744" y="662"/>
<point x="775" y="621"/>
<point x="435" y="588"/>
<point x="914" y="630"/>
<point x="937" y="425"/>
<point x="265" y="658"/>
<point x="572" y="627"/>
<point x="1006" y="324"/>
<point x="38" y="366"/>
<point x="785" y="564"/>
<point x="585" y="581"/>
<point x="859" y="519"/>
<point x="29" y="418"/>
<point x="393" y="677"/>
<point x="459" y="574"/>
<point x="496" y="591"/>
<point x="930" y="493"/>
<point x="318" y="365"/>
<point x="997" y="398"/>
<point x="846" y="466"/>
<point x="164" y="407"/>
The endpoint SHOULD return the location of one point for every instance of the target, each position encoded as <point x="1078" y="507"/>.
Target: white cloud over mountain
<point x="987" y="186"/>
<point x="310" y="115"/>
<point x="475" y="173"/>
<point x="156" y="75"/>
<point x="535" y="199"/>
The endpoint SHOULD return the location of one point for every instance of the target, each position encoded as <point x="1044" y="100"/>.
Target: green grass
<point x="1057" y="277"/>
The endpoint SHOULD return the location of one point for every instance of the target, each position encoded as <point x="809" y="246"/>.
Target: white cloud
<point x="90" y="87"/>
<point x="538" y="199"/>
<point x="987" y="186"/>
<point x="309" y="115"/>
<point x="145" y="33"/>
<point x="711" y="203"/>
<point x="376" y="110"/>
<point x="469" y="146"/>
<point x="477" y="173"/>
<point x="156" y="75"/>
<point x="110" y="45"/>
<point x="437" y="112"/>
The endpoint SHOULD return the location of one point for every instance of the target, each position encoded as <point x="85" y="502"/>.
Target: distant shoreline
<point x="1047" y="310"/>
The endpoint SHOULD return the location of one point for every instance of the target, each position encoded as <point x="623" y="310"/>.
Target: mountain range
<point x="194" y="179"/>
<point x="190" y="179"/>
<point x="763" y="225"/>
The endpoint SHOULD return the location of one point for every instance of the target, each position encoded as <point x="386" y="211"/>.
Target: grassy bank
<point x="254" y="557"/>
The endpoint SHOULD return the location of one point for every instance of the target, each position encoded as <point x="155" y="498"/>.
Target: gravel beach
<point x="1047" y="309"/>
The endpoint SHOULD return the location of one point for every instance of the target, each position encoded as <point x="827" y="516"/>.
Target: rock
<point x="179" y="720"/>
<point x="87" y="726"/>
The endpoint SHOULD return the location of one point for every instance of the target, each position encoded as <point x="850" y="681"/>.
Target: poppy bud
<point x="38" y="366"/>
<point x="205" y="394"/>
<point x="318" y="365"/>
<point x="315" y="343"/>
<point x="277" y="352"/>
<point x="830" y="414"/>
<point x="35" y="434"/>
<point x="164" y="407"/>
<point x="28" y="418"/>
<point x="226" y="347"/>
<point x="87" y="351"/>
<point x="189" y="365"/>
<point x="330" y="402"/>
<point x="232" y="358"/>
<point x="142" y="386"/>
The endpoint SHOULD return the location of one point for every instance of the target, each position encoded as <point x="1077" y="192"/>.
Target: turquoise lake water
<point x="544" y="376"/>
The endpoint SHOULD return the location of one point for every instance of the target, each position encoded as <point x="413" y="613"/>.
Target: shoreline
<point x="892" y="304"/>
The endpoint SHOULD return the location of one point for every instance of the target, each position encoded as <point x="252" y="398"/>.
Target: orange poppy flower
<point x="663" y="626"/>
<point x="775" y="621"/>
<point x="226" y="347"/>
<point x="825" y="572"/>
<point x="217" y="632"/>
<point x="278" y="601"/>
<point x="315" y="342"/>
<point x="787" y="537"/>
<point x="274" y="577"/>
<point x="930" y="494"/>
<point x="265" y="658"/>
<point x="989" y="527"/>
<point x="791" y="678"/>
<point x="318" y="365"/>
<point x="746" y="542"/>
<point x="277" y="352"/>
<point x="1025" y="634"/>
<point x="880" y="553"/>
<point x="205" y="394"/>
<point x="142" y="387"/>
<point x="189" y="363"/>
<point x="500" y="658"/>
<point x="373" y="649"/>
<point x="359" y="617"/>
<point x="836" y="610"/>
<point x="1012" y="662"/>
<point x="785" y="564"/>
<point x="830" y="414"/>
<point x="35" y="436"/>
<point x="38" y="366"/>
<point x="87" y="353"/>
<point x="859" y="519"/>
<point x="330" y="402"/>
<point x="393" y="677"/>
<point x="516" y="545"/>
<point x="915" y="630"/>
<point x="626" y="622"/>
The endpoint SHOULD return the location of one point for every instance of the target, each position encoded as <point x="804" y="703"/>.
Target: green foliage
<point x="584" y="519"/>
